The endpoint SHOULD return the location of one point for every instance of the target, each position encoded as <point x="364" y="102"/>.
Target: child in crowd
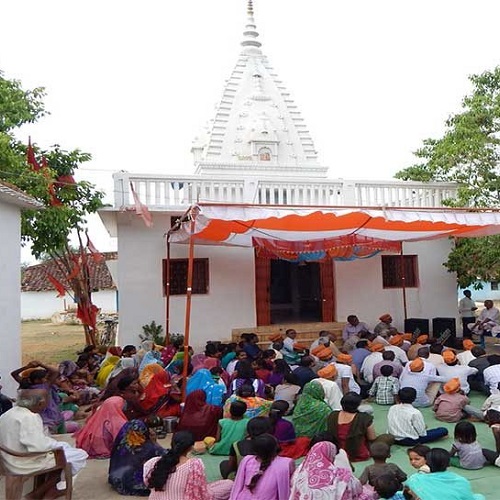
<point x="492" y="401"/>
<point x="407" y="423"/>
<point x="388" y="487"/>
<point x="417" y="458"/>
<point x="380" y="452"/>
<point x="385" y="387"/>
<point x="493" y="420"/>
<point x="453" y="405"/>
<point x="230" y="429"/>
<point x="468" y="450"/>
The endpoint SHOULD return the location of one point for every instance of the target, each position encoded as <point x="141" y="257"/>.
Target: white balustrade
<point x="166" y="191"/>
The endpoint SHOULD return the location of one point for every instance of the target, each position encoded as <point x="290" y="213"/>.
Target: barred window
<point x="494" y="286"/>
<point x="178" y="276"/>
<point x="392" y="271"/>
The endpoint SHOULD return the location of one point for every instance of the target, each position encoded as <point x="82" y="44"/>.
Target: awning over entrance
<point x="314" y="233"/>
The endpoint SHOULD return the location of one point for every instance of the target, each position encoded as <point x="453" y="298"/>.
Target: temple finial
<point x="250" y="35"/>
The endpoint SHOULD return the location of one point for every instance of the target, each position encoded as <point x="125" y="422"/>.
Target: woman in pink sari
<point x="98" y="434"/>
<point x="265" y="475"/>
<point x="319" y="478"/>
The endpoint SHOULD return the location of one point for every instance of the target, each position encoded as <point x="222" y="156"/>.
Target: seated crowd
<point x="286" y="421"/>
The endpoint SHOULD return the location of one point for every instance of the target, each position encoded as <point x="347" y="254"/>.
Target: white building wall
<point x="41" y="305"/>
<point x="10" y="284"/>
<point x="230" y="302"/>
<point x="359" y="287"/>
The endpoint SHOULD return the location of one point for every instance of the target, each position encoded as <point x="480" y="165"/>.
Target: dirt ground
<point x="50" y="343"/>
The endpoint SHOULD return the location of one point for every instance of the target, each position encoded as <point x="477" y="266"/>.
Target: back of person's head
<point x="125" y="382"/>
<point x="388" y="355"/>
<point x="436" y="348"/>
<point x="37" y="376"/>
<point x="350" y="402"/>
<point x="265" y="447"/>
<point x="281" y="366"/>
<point x="245" y="370"/>
<point x="493" y="359"/>
<point x="465" y="432"/>
<point x="438" y="459"/>
<point x="32" y="399"/>
<point x="324" y="436"/>
<point x="386" y="485"/>
<point x="211" y="349"/>
<point x="237" y="409"/>
<point x="268" y="354"/>
<point x="407" y="395"/>
<point x="386" y="370"/>
<point x="89" y="348"/>
<point x="423" y="352"/>
<point x="362" y="344"/>
<point x="128" y="349"/>
<point x="291" y="378"/>
<point x="278" y="410"/>
<point x="477" y="351"/>
<point x="307" y="361"/>
<point x="257" y="426"/>
<point x="246" y="391"/>
<point x="380" y="450"/>
<point x="182" y="442"/>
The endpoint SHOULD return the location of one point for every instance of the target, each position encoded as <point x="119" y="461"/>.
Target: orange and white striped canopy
<point x="296" y="229"/>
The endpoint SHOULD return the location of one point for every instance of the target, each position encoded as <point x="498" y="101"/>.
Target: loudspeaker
<point x="439" y="325"/>
<point x="412" y="324"/>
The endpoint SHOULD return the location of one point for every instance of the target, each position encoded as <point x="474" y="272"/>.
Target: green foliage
<point x="153" y="332"/>
<point x="468" y="154"/>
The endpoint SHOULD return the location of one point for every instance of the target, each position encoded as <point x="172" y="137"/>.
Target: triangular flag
<point x="96" y="255"/>
<point x="30" y="157"/>
<point x="57" y="285"/>
<point x="74" y="271"/>
<point x="141" y="209"/>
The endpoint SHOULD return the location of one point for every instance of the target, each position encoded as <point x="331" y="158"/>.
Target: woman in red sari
<point x="160" y="397"/>
<point x="199" y="417"/>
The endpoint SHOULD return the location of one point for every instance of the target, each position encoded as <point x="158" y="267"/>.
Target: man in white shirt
<point x="396" y="341"/>
<point x="451" y="369"/>
<point x="466" y="309"/>
<point x="21" y="430"/>
<point x="465" y="357"/>
<point x="487" y="322"/>
<point x="492" y="373"/>
<point x="370" y="361"/>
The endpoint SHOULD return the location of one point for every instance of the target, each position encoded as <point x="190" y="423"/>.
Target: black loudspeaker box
<point x="420" y="324"/>
<point x="439" y="325"/>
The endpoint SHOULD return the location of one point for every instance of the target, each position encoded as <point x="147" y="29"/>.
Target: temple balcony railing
<point x="175" y="192"/>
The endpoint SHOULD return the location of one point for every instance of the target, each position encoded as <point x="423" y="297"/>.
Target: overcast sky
<point x="134" y="82"/>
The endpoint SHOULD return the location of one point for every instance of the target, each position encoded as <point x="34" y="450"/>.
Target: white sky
<point x="134" y="82"/>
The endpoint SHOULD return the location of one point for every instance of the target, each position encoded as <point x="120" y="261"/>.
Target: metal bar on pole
<point x="187" y="320"/>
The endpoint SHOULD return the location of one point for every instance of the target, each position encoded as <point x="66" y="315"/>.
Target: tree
<point x="468" y="154"/>
<point x="47" y="175"/>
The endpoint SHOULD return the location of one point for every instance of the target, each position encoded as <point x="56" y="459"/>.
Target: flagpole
<point x="403" y="282"/>
<point x="187" y="320"/>
<point x="167" y="294"/>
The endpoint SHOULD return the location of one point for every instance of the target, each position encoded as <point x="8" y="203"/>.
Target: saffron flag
<point x="57" y="285"/>
<point x="74" y="272"/>
<point x="96" y="255"/>
<point x="53" y="199"/>
<point x="30" y="157"/>
<point x="141" y="209"/>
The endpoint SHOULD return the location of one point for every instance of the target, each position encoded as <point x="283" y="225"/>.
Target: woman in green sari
<point x="311" y="411"/>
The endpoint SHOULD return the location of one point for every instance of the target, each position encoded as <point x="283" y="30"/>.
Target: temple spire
<point x="250" y="43"/>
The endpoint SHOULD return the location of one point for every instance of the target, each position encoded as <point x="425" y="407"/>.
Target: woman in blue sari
<point x="440" y="483"/>
<point x="132" y="448"/>
<point x="203" y="380"/>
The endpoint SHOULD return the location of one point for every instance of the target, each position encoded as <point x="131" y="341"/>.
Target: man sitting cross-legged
<point x="21" y="430"/>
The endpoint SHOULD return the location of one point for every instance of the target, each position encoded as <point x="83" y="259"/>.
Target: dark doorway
<point x="295" y="292"/>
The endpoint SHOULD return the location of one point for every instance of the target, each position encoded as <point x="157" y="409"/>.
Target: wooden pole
<point x="167" y="294"/>
<point x="187" y="320"/>
<point x="403" y="282"/>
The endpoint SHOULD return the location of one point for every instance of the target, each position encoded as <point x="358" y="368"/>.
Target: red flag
<point x="141" y="209"/>
<point x="57" y="285"/>
<point x="53" y="199"/>
<point x="30" y="157"/>
<point x="96" y="255"/>
<point x="65" y="180"/>
<point x="74" y="271"/>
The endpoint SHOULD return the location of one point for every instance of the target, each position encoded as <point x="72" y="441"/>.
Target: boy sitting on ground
<point x="385" y="387"/>
<point x="380" y="452"/>
<point x="407" y="423"/>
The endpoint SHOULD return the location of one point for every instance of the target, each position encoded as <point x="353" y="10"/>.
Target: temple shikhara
<point x="276" y="240"/>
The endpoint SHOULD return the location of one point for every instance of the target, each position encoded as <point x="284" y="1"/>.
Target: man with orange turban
<point x="333" y="394"/>
<point x="395" y="345"/>
<point x="385" y="328"/>
<point x="370" y="361"/>
<point x="453" y="405"/>
<point x="451" y="369"/>
<point x="414" y="376"/>
<point x="465" y="357"/>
